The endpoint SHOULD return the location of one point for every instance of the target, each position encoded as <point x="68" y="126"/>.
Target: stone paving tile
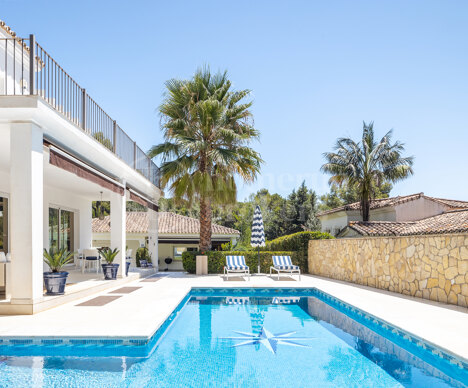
<point x="124" y="290"/>
<point x="99" y="301"/>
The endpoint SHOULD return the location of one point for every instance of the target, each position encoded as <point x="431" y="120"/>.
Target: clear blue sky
<point x="316" y="68"/>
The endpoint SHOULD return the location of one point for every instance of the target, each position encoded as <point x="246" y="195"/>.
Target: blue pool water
<point x="242" y="338"/>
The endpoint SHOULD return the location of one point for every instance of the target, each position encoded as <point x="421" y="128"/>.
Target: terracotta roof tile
<point x="455" y="221"/>
<point x="393" y="201"/>
<point x="7" y="29"/>
<point x="452" y="203"/>
<point x="168" y="223"/>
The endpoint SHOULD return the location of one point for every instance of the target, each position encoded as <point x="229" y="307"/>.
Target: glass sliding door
<point x="66" y="230"/>
<point x="53" y="228"/>
<point x="3" y="224"/>
<point x="61" y="229"/>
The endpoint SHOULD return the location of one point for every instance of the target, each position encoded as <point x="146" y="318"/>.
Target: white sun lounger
<point x="283" y="264"/>
<point x="236" y="265"/>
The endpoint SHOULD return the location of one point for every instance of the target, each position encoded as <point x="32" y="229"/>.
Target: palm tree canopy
<point x="367" y="164"/>
<point x="207" y="130"/>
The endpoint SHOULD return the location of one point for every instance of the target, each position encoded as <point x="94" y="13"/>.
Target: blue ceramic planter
<point x="55" y="282"/>
<point x="110" y="271"/>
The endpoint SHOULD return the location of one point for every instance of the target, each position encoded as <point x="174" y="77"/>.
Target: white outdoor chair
<point x="91" y="257"/>
<point x="78" y="259"/>
<point x="283" y="264"/>
<point x="236" y="264"/>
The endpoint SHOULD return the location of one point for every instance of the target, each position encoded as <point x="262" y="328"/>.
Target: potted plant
<point x="55" y="280"/>
<point x="109" y="269"/>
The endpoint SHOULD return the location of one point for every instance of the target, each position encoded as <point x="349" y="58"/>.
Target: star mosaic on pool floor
<point x="269" y="340"/>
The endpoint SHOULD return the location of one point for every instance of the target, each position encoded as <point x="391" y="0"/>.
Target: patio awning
<point x="71" y="164"/>
<point x="138" y="198"/>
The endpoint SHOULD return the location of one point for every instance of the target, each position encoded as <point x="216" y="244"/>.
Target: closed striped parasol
<point x="257" y="238"/>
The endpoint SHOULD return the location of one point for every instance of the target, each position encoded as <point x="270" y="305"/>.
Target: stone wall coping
<point x="391" y="237"/>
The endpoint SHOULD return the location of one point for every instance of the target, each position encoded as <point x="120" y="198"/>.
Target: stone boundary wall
<point x="432" y="267"/>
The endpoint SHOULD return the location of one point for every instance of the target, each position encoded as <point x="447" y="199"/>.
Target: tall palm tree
<point x="207" y="131"/>
<point x="367" y="164"/>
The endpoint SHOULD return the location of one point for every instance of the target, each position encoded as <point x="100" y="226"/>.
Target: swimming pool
<point x="244" y="338"/>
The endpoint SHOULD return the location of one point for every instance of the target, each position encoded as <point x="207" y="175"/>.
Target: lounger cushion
<point x="236" y="263"/>
<point x="287" y="267"/>
<point x="284" y="263"/>
<point x="237" y="267"/>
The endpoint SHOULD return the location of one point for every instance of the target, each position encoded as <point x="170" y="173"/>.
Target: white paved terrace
<point x="138" y="314"/>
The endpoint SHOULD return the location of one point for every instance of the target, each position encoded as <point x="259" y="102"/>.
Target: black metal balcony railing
<point x="27" y="69"/>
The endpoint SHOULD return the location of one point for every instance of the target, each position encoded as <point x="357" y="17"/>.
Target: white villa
<point x="59" y="151"/>
<point x="408" y="208"/>
<point x="176" y="234"/>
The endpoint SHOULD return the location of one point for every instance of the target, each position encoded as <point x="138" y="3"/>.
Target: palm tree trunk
<point x="365" y="211"/>
<point x="205" y="224"/>
<point x="365" y="207"/>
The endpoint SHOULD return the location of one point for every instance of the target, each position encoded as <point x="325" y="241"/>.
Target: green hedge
<point x="217" y="260"/>
<point x="298" y="242"/>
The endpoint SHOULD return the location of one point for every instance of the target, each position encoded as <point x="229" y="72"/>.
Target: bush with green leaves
<point x="57" y="259"/>
<point x="108" y="254"/>
<point x="298" y="242"/>
<point x="217" y="260"/>
<point x="142" y="253"/>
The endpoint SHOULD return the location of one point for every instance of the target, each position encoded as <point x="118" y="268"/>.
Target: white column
<point x="118" y="217"/>
<point x="85" y="222"/>
<point x="153" y="237"/>
<point x="26" y="212"/>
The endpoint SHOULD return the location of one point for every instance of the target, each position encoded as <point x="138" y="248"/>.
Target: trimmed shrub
<point x="217" y="260"/>
<point x="298" y="242"/>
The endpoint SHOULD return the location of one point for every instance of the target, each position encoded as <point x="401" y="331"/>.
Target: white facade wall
<point x="334" y="222"/>
<point x="384" y="214"/>
<point x="14" y="66"/>
<point x="418" y="209"/>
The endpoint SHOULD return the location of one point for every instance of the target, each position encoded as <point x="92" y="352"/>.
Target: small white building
<point x="176" y="234"/>
<point x="412" y="207"/>
<point x="59" y="152"/>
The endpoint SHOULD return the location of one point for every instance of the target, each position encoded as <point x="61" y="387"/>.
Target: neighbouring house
<point x="399" y="209"/>
<point x="59" y="152"/>
<point x="176" y="234"/>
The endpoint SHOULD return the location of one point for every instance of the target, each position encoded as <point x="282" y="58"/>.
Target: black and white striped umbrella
<point x="257" y="239"/>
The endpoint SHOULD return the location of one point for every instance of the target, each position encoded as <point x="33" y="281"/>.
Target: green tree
<point x="344" y="195"/>
<point x="365" y="165"/>
<point x="104" y="206"/>
<point x="207" y="130"/>
<point x="301" y="209"/>
<point x="100" y="206"/>
<point x="105" y="141"/>
<point x="180" y="206"/>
